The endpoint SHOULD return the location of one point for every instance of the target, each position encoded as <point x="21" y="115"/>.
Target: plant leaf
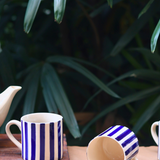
<point x="154" y="37"/>
<point x="93" y="65"/>
<point x="102" y="8"/>
<point x="132" y="60"/>
<point x="30" y="14"/>
<point x="134" y="29"/>
<point x="131" y="98"/>
<point x="145" y="8"/>
<point x="68" y="62"/>
<point x="144" y="74"/>
<point x="30" y="99"/>
<point x="155" y="58"/>
<point x="110" y="3"/>
<point x="51" y="79"/>
<point x="148" y="113"/>
<point x="140" y="73"/>
<point x="59" y="9"/>
<point x="48" y="96"/>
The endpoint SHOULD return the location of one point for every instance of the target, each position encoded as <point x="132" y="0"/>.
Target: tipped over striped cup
<point x="41" y="136"/>
<point x="116" y="143"/>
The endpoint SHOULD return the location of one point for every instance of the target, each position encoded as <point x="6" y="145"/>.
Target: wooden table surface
<point x="9" y="151"/>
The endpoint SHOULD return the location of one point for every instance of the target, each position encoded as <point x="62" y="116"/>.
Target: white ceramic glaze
<point x="115" y="143"/>
<point x="153" y="131"/>
<point x="41" y="134"/>
<point x="155" y="136"/>
<point x="6" y="98"/>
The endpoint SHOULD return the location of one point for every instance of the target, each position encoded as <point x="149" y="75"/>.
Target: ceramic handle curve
<point x="153" y="131"/>
<point x="10" y="135"/>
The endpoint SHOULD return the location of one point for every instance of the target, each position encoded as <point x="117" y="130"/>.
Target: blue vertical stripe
<point x="33" y="141"/>
<point x="106" y="131"/>
<point x="26" y="140"/>
<point x="52" y="141"/>
<point x="115" y="131"/>
<point x="59" y="139"/>
<point x="125" y="133"/>
<point x="42" y="141"/>
<point x="22" y="139"/>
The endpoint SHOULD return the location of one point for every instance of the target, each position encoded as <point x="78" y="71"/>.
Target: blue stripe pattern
<point x="129" y="144"/>
<point x="51" y="140"/>
<point x="106" y="131"/>
<point x="42" y="141"/>
<point x="128" y="140"/>
<point x="59" y="140"/>
<point x="121" y="136"/>
<point x="131" y="148"/>
<point x="33" y="141"/>
<point x="26" y="140"/>
<point x="29" y="148"/>
<point x="133" y="155"/>
<point x="22" y="141"/>
<point x="115" y="131"/>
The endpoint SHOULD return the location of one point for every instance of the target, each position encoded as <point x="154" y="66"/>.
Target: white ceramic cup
<point x="116" y="143"/>
<point x="41" y="136"/>
<point x="153" y="131"/>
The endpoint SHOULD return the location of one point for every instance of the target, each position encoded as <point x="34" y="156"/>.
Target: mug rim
<point x="100" y="137"/>
<point x="56" y="119"/>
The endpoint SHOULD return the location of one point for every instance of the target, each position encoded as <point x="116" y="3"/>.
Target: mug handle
<point x="10" y="135"/>
<point x="153" y="131"/>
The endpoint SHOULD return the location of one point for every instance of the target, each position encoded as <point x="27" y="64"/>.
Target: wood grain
<point x="9" y="151"/>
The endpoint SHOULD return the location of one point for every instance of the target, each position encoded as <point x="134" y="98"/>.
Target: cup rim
<point x="58" y="117"/>
<point x="99" y="137"/>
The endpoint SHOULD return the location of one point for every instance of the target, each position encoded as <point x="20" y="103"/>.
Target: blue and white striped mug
<point x="41" y="136"/>
<point x="116" y="143"/>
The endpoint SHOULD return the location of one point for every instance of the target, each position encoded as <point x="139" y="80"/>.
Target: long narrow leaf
<point x="83" y="71"/>
<point x="155" y="58"/>
<point x="93" y="65"/>
<point x="17" y="99"/>
<point x="132" y="60"/>
<point x="110" y="3"/>
<point x="154" y="37"/>
<point x="28" y="70"/>
<point x="134" y="29"/>
<point x="30" y="99"/>
<point x="30" y="14"/>
<point x="131" y="98"/>
<point x="144" y="74"/>
<point x="140" y="74"/>
<point x="59" y="9"/>
<point x="48" y="96"/>
<point x="147" y="114"/>
<point x="145" y="8"/>
<point x="102" y="8"/>
<point x="50" y="77"/>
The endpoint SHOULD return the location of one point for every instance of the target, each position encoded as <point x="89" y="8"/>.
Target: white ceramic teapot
<point x="6" y="98"/>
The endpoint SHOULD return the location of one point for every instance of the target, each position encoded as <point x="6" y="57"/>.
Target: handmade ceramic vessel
<point x="116" y="143"/>
<point x="6" y="98"/>
<point x="41" y="136"/>
<point x="154" y="133"/>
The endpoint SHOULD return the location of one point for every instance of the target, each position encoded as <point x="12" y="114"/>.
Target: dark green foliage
<point x="96" y="60"/>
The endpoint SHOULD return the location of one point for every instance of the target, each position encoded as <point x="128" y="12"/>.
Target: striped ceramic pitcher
<point x="41" y="134"/>
<point x="116" y="143"/>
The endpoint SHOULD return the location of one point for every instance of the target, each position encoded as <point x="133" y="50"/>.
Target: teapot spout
<point x="6" y="98"/>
